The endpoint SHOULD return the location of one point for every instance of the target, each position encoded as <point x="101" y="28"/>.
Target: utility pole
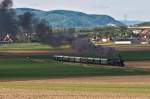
<point x="125" y="17"/>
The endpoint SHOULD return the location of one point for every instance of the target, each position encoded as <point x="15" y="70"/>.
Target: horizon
<point x="120" y="10"/>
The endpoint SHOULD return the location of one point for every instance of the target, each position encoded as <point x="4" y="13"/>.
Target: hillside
<point x="144" y="24"/>
<point x="70" y="19"/>
<point x="131" y="22"/>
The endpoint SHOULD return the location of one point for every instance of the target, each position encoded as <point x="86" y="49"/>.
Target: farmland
<point x="78" y="88"/>
<point x="29" y="72"/>
<point x="37" y="68"/>
<point x="27" y="47"/>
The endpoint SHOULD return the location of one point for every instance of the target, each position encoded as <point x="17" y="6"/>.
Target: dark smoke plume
<point x="85" y="46"/>
<point x="8" y="22"/>
<point x="26" y="27"/>
<point x="26" y="22"/>
<point x="6" y="4"/>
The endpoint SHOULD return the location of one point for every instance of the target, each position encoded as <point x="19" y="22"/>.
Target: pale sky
<point x="133" y="9"/>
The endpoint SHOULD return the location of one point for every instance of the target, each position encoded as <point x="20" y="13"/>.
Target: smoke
<point x="85" y="46"/>
<point x="28" y="28"/>
<point x="26" y="22"/>
<point x="6" y="4"/>
<point x="22" y="26"/>
<point x="8" y="22"/>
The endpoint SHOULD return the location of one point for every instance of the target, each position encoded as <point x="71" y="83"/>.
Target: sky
<point x="119" y="9"/>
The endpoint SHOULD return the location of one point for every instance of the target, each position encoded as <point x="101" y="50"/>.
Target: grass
<point x="111" y="44"/>
<point x="38" y="67"/>
<point x="29" y="47"/>
<point x="136" y="55"/>
<point x="35" y="68"/>
<point x="43" y="67"/>
<point x="92" y="88"/>
<point x="24" y="47"/>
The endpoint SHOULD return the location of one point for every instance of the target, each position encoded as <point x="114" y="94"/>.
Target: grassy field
<point x="133" y="47"/>
<point x="136" y="55"/>
<point x="24" y="46"/>
<point x="40" y="77"/>
<point x="28" y="47"/>
<point x="38" y="68"/>
<point x="23" y="78"/>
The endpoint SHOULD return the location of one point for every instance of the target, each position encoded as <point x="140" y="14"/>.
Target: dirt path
<point x="138" y="64"/>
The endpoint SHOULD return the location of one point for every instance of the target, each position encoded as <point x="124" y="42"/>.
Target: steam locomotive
<point x="86" y="60"/>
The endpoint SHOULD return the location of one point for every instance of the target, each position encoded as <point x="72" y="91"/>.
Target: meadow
<point x="32" y="68"/>
<point x="40" y="77"/>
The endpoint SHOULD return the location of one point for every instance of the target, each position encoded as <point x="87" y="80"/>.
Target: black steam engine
<point x="86" y="60"/>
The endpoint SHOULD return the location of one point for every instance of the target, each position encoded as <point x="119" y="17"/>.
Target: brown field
<point x="28" y="94"/>
<point x="25" y="92"/>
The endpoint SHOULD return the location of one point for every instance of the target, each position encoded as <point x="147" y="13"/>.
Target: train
<point x="88" y="60"/>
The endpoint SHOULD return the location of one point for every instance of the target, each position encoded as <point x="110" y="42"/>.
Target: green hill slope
<point x="70" y="19"/>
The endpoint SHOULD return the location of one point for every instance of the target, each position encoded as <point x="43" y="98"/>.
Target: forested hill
<point x="71" y="19"/>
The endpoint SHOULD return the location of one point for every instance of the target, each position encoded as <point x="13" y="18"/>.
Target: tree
<point x="71" y="30"/>
<point x="43" y="31"/>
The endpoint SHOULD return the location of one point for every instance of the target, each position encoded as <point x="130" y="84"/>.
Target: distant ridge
<point x="71" y="19"/>
<point x="144" y="24"/>
<point x="131" y="22"/>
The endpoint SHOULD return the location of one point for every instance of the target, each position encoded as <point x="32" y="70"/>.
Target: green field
<point x="136" y="55"/>
<point x="29" y="47"/>
<point x="42" y="68"/>
<point x="35" y="68"/>
<point x="24" y="47"/>
<point x="41" y="76"/>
